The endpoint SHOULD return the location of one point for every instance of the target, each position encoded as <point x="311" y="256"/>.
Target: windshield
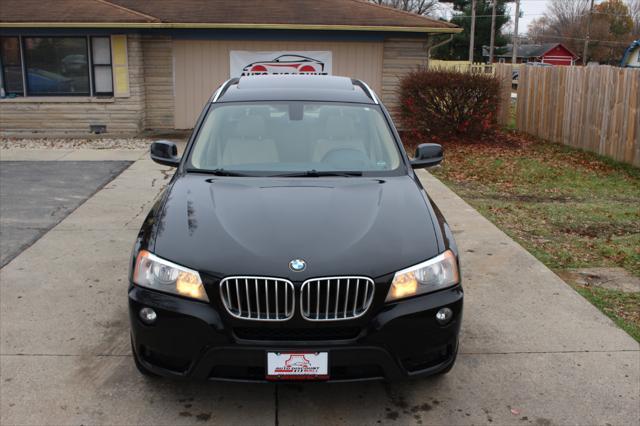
<point x="288" y="137"/>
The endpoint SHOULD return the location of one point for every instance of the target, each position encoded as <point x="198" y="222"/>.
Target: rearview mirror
<point x="165" y="153"/>
<point x="427" y="155"/>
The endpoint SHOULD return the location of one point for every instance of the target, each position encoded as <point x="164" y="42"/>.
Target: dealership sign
<point x="243" y="62"/>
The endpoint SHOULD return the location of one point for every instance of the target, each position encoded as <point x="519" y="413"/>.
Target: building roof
<point x="525" y="50"/>
<point x="28" y="11"/>
<point x="247" y="14"/>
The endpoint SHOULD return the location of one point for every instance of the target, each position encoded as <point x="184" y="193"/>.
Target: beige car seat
<point x="340" y="134"/>
<point x="249" y="144"/>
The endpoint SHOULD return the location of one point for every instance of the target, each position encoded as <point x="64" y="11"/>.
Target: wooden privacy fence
<point x="504" y="74"/>
<point x="595" y="108"/>
<point x="462" y="66"/>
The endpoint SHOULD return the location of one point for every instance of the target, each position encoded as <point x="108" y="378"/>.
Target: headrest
<point x="339" y="127"/>
<point x="251" y="127"/>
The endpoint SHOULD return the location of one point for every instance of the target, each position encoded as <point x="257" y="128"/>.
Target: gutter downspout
<point x="442" y="43"/>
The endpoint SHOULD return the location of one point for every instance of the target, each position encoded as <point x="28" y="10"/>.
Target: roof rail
<point x="366" y="89"/>
<point x="224" y="88"/>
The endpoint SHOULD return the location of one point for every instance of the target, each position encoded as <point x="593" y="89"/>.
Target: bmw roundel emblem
<point x="297" y="265"/>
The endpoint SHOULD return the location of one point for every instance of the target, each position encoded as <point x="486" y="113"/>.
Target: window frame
<point x="93" y="66"/>
<point x="90" y="67"/>
<point x="3" y="70"/>
<point x="25" y="68"/>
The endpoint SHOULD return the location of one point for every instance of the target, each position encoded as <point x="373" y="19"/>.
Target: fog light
<point x="444" y="315"/>
<point x="148" y="315"/>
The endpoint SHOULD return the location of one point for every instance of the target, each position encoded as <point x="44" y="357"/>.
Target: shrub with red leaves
<point x="439" y="104"/>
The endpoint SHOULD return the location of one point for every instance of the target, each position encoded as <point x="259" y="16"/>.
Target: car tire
<point x="141" y="368"/>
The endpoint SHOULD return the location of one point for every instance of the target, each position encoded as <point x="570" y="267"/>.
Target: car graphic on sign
<point x="296" y="360"/>
<point x="285" y="64"/>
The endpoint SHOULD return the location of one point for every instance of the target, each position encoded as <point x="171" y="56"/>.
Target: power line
<point x="586" y="40"/>
<point x="489" y="16"/>
<point x="622" y="43"/>
<point x="492" y="43"/>
<point x="542" y="14"/>
<point x="514" y="56"/>
<point x="618" y="15"/>
<point x="473" y="30"/>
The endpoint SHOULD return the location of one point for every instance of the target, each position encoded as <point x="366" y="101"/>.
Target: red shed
<point x="558" y="55"/>
<point x="548" y="53"/>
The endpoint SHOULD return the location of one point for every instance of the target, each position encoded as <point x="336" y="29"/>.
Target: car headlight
<point x="162" y="275"/>
<point x="434" y="274"/>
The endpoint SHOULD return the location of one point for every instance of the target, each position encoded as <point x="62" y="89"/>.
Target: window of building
<point x="56" y="66"/>
<point x="102" y="74"/>
<point x="11" y="75"/>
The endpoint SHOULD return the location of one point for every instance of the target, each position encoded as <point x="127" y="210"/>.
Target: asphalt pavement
<point x="533" y="352"/>
<point x="36" y="195"/>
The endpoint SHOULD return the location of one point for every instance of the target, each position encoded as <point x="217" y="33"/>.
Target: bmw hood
<point x="256" y="226"/>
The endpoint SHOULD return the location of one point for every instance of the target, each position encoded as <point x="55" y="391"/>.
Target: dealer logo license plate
<point x="297" y="365"/>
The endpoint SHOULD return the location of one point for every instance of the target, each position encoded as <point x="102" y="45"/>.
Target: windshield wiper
<point x="316" y="173"/>
<point x="218" y="172"/>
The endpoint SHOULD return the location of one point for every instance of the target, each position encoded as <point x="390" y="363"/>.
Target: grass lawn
<point x="569" y="208"/>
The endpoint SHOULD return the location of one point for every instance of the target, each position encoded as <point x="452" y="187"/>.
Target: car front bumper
<point x="196" y="340"/>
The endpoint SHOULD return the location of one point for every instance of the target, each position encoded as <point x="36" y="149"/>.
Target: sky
<point x="531" y="10"/>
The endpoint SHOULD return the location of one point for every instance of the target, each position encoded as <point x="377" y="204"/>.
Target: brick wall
<point x="73" y="115"/>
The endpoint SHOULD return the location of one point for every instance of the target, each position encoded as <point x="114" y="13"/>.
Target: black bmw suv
<point x="294" y="242"/>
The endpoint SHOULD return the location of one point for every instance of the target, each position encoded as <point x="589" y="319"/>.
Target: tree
<point x="634" y="12"/>
<point x="565" y="21"/>
<point x="458" y="49"/>
<point x="420" y="7"/>
<point x="615" y="14"/>
<point x="568" y="12"/>
<point x="612" y="31"/>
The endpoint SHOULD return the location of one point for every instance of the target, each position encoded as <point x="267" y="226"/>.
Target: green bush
<point x="436" y="105"/>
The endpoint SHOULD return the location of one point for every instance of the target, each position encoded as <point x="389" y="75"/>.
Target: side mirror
<point x="165" y="153"/>
<point x="427" y="155"/>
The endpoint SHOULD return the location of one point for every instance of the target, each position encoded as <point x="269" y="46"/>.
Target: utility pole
<point x="493" y="31"/>
<point x="514" y="56"/>
<point x="586" y="39"/>
<point x="473" y="30"/>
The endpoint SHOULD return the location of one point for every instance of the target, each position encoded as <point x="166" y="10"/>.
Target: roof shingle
<point x="89" y="11"/>
<point x="328" y="13"/>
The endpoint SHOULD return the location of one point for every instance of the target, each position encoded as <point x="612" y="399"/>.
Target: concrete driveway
<point x="532" y="351"/>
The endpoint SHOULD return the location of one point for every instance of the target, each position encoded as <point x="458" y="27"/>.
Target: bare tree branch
<point x="419" y="7"/>
<point x="634" y="11"/>
<point x="566" y="21"/>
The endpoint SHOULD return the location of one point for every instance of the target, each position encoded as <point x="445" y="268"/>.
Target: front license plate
<point x="297" y="365"/>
